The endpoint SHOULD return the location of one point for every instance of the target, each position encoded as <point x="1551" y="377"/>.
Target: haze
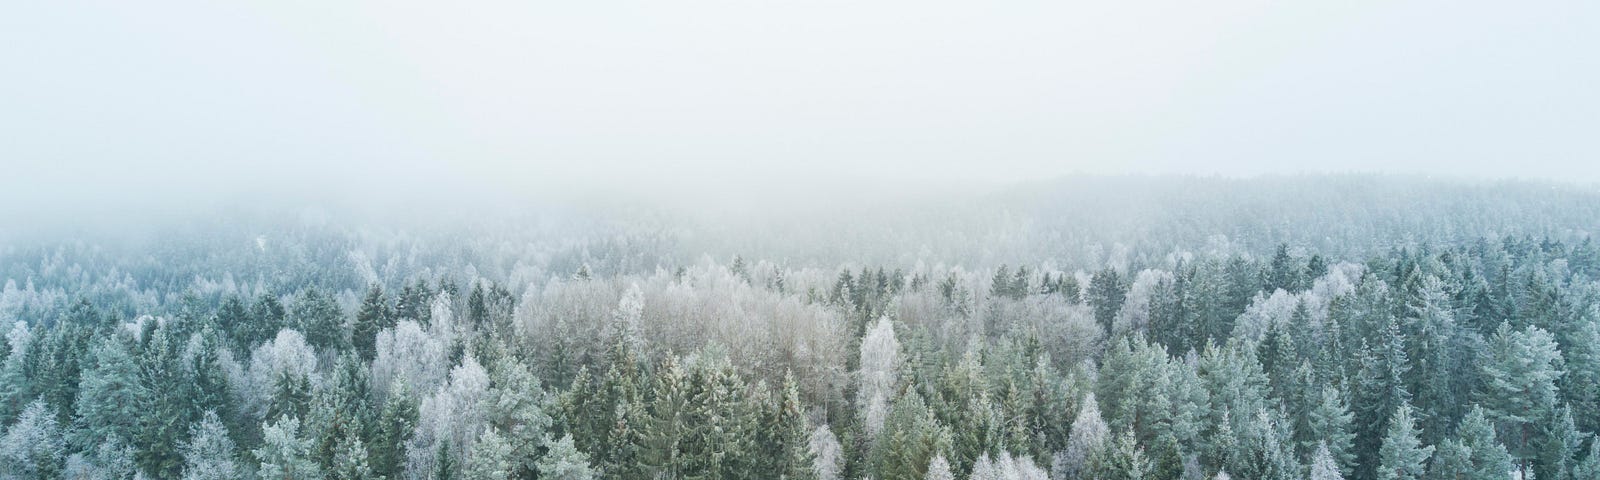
<point x="116" y="106"/>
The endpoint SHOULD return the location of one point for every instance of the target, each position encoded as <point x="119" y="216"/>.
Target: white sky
<point x="190" y="101"/>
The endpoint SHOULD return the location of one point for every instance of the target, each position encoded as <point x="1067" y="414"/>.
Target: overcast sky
<point x="199" y="100"/>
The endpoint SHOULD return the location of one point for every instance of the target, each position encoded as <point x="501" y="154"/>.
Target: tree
<point x="1323" y="465"/>
<point x="826" y="453"/>
<point x="315" y="314"/>
<point x="491" y="458"/>
<point x="939" y="469"/>
<point x="1328" y="424"/>
<point x="1402" y="456"/>
<point x="350" y="459"/>
<point x="1519" y="392"/>
<point x="374" y="316"/>
<point x="32" y="447"/>
<point x="108" y="401"/>
<point x="1126" y="460"/>
<point x="1486" y="458"/>
<point x="880" y="363"/>
<point x="1106" y="294"/>
<point x="209" y="453"/>
<point x="284" y="454"/>
<point x="1086" y="443"/>
<point x="564" y="462"/>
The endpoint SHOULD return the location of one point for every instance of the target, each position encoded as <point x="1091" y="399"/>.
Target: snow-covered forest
<point x="1318" y="327"/>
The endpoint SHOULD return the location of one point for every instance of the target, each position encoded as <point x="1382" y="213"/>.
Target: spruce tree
<point x="1402" y="456"/>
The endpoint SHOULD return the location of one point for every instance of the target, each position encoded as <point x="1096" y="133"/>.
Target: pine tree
<point x="284" y="453"/>
<point x="32" y="447"/>
<point x="1590" y="466"/>
<point x="1402" y="456"/>
<point x="826" y="453"/>
<point x="1125" y="461"/>
<point x="1107" y="291"/>
<point x="209" y="453"/>
<point x="491" y="458"/>
<point x="350" y="459"/>
<point x="318" y="317"/>
<point x="1087" y="443"/>
<point x="791" y="434"/>
<point x="564" y="462"/>
<point x="1519" y="378"/>
<point x="1328" y="424"/>
<point x="1489" y="459"/>
<point x="108" y="401"/>
<point x="373" y="317"/>
<point x="395" y="424"/>
<point x="1379" y="392"/>
<point x="1323" y="465"/>
<point x="939" y="469"/>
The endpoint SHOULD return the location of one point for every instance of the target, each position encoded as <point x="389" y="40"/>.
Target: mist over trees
<point x="1342" y="327"/>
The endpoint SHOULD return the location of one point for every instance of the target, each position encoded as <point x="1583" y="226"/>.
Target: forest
<point x="1317" y="327"/>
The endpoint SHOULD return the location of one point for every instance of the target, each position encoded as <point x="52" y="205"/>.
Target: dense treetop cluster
<point x="307" y="350"/>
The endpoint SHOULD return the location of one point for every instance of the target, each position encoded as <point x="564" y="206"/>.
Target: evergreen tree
<point x="1402" y="456"/>
<point x="350" y="459"/>
<point x="939" y="469"/>
<point x="374" y="316"/>
<point x="318" y="317"/>
<point x="1107" y="291"/>
<point x="565" y="462"/>
<point x="1323" y="465"/>
<point x="284" y="454"/>
<point x="491" y="458"/>
<point x="1519" y="389"/>
<point x="108" y="402"/>
<point x="209" y="453"/>
<point x="32" y="447"/>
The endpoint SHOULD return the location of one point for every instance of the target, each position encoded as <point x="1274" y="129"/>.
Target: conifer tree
<point x="284" y="453"/>
<point x="564" y="462"/>
<point x="209" y="453"/>
<point x="1402" y="456"/>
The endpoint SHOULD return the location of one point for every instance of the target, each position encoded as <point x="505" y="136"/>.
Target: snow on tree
<point x="1323" y="465"/>
<point x="939" y="469"/>
<point x="880" y="362"/>
<point x="454" y="415"/>
<point x="408" y="352"/>
<point x="110" y="460"/>
<point x="826" y="453"/>
<point x="564" y="461"/>
<point x="1085" y="443"/>
<point x="285" y="356"/>
<point x="490" y="458"/>
<point x="32" y="447"/>
<point x="1134" y="316"/>
<point x="209" y="453"/>
<point x="284" y="453"/>
<point x="1402" y="456"/>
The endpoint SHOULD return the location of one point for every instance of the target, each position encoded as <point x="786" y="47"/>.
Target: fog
<point x="125" y="110"/>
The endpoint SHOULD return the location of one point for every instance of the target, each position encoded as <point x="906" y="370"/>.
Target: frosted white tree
<point x="565" y="462"/>
<point x="111" y="460"/>
<point x="625" y="319"/>
<point x="287" y="354"/>
<point x="1135" y="312"/>
<point x="407" y="352"/>
<point x="491" y="458"/>
<point x="827" y="456"/>
<point x="1222" y="475"/>
<point x="939" y="469"/>
<point x="880" y="361"/>
<point x="1323" y="467"/>
<point x="32" y="447"/>
<point x="984" y="469"/>
<point x="209" y="453"/>
<point x="284" y="454"/>
<point x="1085" y="442"/>
<point x="454" y="413"/>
